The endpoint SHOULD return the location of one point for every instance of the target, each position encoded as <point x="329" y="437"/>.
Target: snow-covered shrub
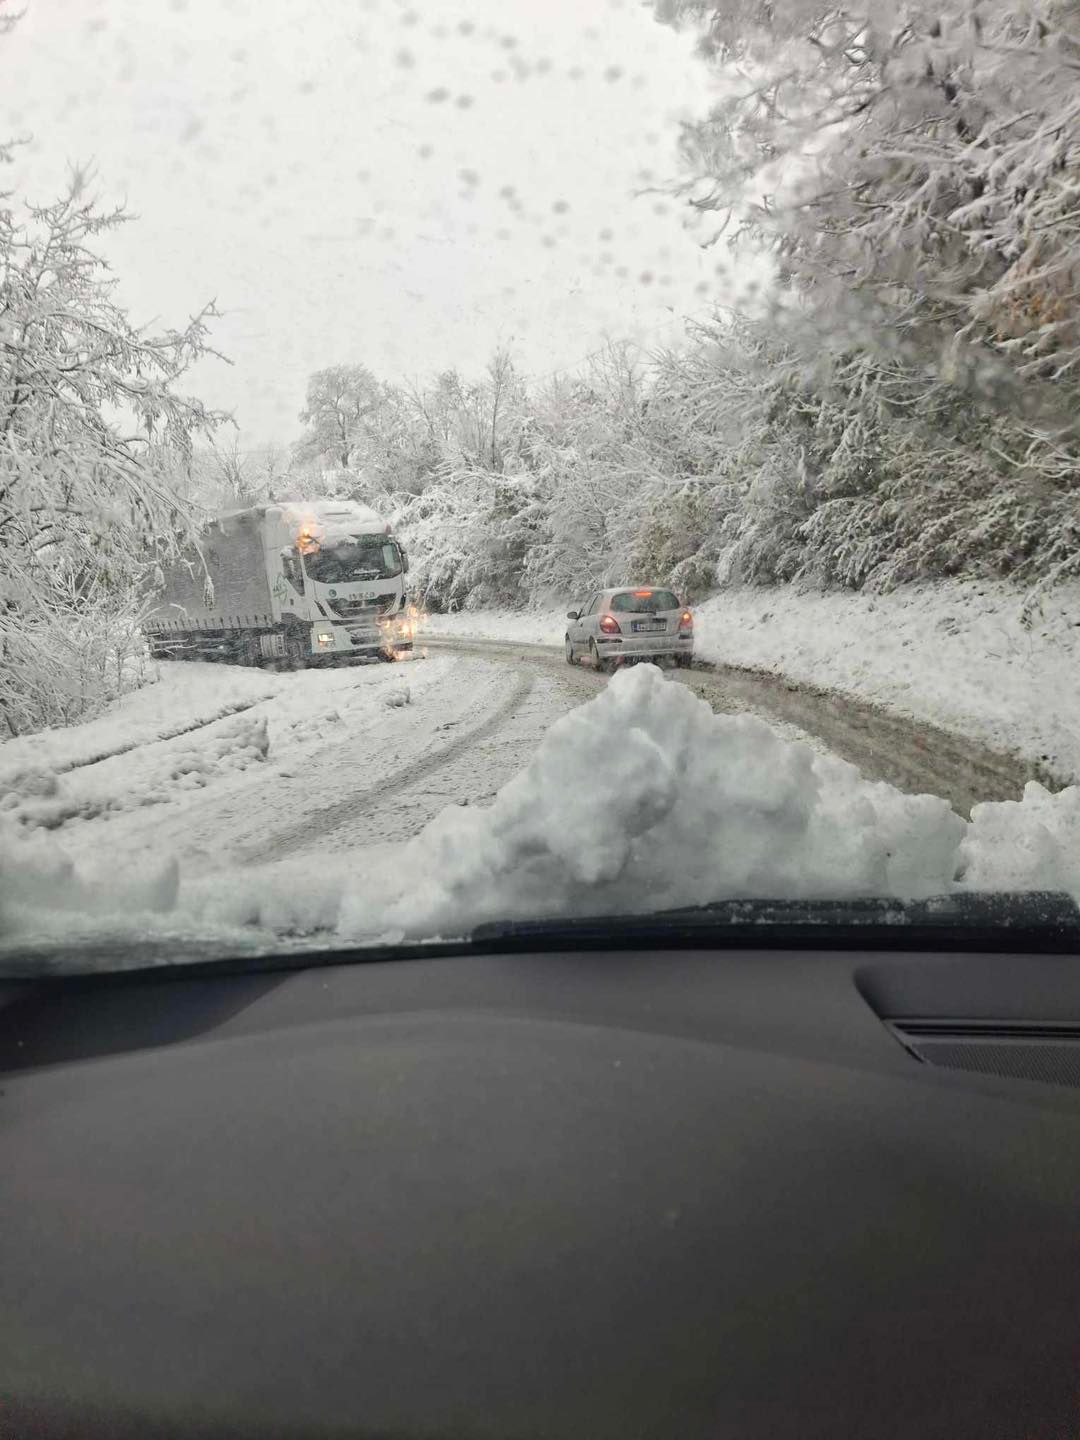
<point x="62" y="660"/>
<point x="468" y="535"/>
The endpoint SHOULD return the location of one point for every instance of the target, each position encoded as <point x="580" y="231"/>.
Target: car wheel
<point x="571" y="658"/>
<point x="685" y="661"/>
<point x="602" y="666"/>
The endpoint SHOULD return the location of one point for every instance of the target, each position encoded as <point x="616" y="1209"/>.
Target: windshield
<point x="363" y="557"/>
<point x="533" y="460"/>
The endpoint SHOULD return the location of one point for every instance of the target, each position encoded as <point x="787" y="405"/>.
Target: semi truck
<point x="298" y="583"/>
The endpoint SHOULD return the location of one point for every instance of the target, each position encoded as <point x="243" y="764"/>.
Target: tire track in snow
<point x="319" y="825"/>
<point x="144" y="742"/>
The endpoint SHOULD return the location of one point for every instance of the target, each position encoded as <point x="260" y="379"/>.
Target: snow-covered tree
<point x="914" y="167"/>
<point x="915" y="171"/>
<point x="341" y="411"/>
<point x="93" y="431"/>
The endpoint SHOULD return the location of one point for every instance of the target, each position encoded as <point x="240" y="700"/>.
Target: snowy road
<point x="909" y="754"/>
<point x="221" y="766"/>
<point x="226" y="801"/>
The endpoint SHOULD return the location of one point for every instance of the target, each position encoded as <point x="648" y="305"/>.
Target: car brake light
<point x="642" y="594"/>
<point x="609" y="625"/>
<point x="686" y="620"/>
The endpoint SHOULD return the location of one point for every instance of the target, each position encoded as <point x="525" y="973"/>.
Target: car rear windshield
<point x="643" y="602"/>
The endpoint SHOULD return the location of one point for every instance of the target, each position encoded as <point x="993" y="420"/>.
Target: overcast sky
<point x="404" y="185"/>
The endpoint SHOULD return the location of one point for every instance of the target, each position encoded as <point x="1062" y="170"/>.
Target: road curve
<point x="908" y="753"/>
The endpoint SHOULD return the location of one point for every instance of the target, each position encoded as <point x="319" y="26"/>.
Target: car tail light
<point x="609" y="625"/>
<point x="686" y="621"/>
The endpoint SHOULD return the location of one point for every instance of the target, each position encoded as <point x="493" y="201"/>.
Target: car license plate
<point x="648" y="627"/>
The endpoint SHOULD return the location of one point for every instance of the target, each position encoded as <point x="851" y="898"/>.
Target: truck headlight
<point x="325" y="637"/>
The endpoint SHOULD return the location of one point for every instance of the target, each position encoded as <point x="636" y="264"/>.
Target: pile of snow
<point x="397" y="696"/>
<point x="41" y="887"/>
<point x="643" y="799"/>
<point x="1028" y="844"/>
<point x="640" y="800"/>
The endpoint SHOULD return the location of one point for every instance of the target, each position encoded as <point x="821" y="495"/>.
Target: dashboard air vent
<point x="1046" y="1053"/>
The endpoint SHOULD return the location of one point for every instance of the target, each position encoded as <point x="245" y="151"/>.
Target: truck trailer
<point x="296" y="583"/>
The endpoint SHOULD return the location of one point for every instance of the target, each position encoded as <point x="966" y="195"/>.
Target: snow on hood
<point x="642" y="799"/>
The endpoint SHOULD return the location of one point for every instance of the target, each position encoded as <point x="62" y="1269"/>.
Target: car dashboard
<point x="710" y="1192"/>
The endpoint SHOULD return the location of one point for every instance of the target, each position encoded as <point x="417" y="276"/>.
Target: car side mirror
<point x="573" y="614"/>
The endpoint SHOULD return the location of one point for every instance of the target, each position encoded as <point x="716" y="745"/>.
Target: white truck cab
<point x="336" y="566"/>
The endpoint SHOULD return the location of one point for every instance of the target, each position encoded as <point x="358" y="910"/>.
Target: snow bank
<point x="958" y="654"/>
<point x="41" y="889"/>
<point x="200" y="724"/>
<point x="640" y="800"/>
<point x="520" y="627"/>
<point x="184" y="697"/>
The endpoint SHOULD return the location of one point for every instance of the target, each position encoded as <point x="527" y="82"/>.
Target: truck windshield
<point x="360" y="557"/>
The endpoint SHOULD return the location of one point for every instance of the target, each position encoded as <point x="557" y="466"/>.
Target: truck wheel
<point x="296" y="653"/>
<point x="250" y="652"/>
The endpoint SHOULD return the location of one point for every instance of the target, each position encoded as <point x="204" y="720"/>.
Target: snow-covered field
<point x="293" y="816"/>
<point x="957" y="655"/>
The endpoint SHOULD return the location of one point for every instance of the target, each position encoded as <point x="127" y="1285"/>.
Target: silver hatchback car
<point x="630" y="623"/>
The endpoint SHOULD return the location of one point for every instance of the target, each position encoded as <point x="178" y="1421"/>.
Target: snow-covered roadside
<point x="197" y="727"/>
<point x="525" y="627"/>
<point x="688" y="807"/>
<point x="178" y="699"/>
<point x="955" y="654"/>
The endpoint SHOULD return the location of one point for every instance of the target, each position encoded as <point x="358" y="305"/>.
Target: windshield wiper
<point x="1036" y="922"/>
<point x="1029" y="920"/>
